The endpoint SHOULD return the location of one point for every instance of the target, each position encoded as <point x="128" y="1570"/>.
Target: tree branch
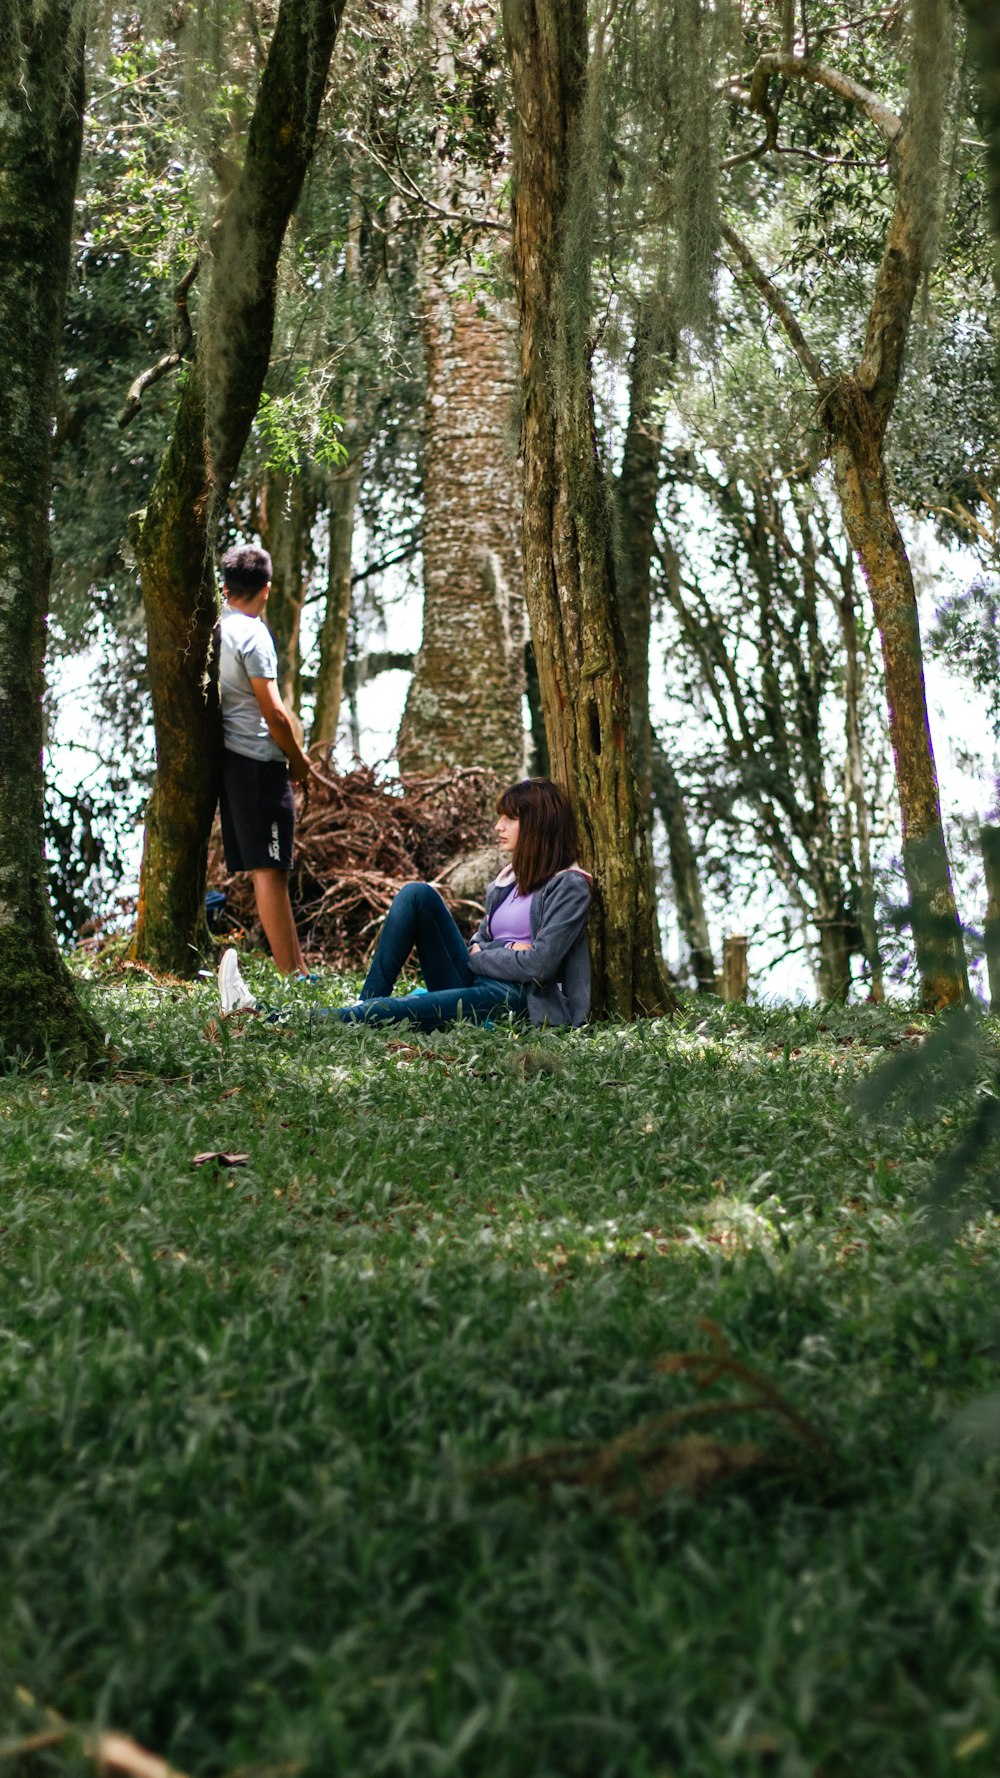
<point x="170" y="360"/>
<point x="776" y="303"/>
<point x="886" y="121"/>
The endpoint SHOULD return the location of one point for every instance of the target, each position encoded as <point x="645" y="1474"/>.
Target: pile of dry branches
<point x="358" y="839"/>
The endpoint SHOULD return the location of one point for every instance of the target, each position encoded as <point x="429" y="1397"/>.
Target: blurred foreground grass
<point x="245" y="1409"/>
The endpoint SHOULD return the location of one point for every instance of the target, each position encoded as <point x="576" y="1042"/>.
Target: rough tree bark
<point x="567" y="528"/>
<point x="41" y="128"/>
<point x="176" y="541"/>
<point x="857" y="406"/>
<point x="464" y="702"/>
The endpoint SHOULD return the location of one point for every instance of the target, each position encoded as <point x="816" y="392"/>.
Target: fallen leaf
<point x="118" y="1753"/>
<point x="971" y="1744"/>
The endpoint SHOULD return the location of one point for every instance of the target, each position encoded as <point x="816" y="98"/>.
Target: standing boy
<point x="261" y="753"/>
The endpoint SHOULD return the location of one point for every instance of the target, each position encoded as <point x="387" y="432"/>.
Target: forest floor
<point x="255" y="1411"/>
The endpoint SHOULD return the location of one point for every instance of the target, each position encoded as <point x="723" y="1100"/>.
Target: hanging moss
<point x="931" y="55"/>
<point x="697" y="38"/>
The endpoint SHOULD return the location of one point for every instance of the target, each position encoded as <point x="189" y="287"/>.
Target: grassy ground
<point x="244" y="1410"/>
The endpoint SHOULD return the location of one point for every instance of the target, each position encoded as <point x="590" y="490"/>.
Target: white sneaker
<point x="233" y="991"/>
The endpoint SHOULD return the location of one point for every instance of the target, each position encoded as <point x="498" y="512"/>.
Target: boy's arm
<point x="279" y="727"/>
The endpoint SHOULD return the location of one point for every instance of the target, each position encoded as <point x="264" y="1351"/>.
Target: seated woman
<point x="529" y="953"/>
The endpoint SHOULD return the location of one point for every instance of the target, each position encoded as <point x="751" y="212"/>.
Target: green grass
<point x="244" y="1411"/>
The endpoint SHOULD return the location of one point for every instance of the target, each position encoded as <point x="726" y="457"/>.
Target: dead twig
<point x="358" y="840"/>
<point x="662" y="1454"/>
<point x="170" y="360"/>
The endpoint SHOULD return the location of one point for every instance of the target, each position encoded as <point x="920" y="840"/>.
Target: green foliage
<point x="293" y="426"/>
<point x="244" y="1411"/>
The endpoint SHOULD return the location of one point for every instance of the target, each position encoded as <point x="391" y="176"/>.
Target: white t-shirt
<point x="247" y="652"/>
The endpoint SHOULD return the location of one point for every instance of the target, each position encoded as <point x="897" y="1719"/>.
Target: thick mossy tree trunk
<point x="857" y="408"/>
<point x="567" y="526"/>
<point x="177" y="539"/>
<point x="41" y="128"/>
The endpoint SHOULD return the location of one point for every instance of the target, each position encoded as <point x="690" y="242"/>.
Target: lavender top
<point x="512" y="920"/>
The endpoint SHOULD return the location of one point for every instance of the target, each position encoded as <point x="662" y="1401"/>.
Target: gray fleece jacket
<point x="556" y="971"/>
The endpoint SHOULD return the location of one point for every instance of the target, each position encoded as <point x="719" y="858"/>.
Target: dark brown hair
<point x="547" y="841"/>
<point x="246" y="570"/>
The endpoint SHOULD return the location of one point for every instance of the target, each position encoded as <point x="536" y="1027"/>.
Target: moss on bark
<point x="177" y="540"/>
<point x="567" y="526"/>
<point x="41" y="104"/>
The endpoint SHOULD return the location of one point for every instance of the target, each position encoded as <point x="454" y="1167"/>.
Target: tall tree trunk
<point x="344" y="488"/>
<point x="684" y="872"/>
<point x="857" y="408"/>
<point x="41" y="129"/>
<point x="285" y="519"/>
<point x="568" y="556"/>
<point x="857" y="801"/>
<point x="216" y="410"/>
<point x="464" y="702"/>
<point x="539" y="764"/>
<point x="861" y="484"/>
<point x="836" y="948"/>
<point x="637" y="488"/>
<point x="464" y="705"/>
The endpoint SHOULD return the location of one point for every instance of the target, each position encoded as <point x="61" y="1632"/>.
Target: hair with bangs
<point x="546" y="842"/>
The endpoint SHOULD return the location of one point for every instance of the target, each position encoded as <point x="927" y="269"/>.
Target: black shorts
<point x="258" y="813"/>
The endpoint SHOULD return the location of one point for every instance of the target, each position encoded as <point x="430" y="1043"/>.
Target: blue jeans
<point x="418" y="917"/>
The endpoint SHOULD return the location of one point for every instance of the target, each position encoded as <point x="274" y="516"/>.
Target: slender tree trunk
<point x="857" y="801"/>
<point x="836" y="948"/>
<point x="539" y="765"/>
<point x="860" y="477"/>
<point x="857" y="407"/>
<point x="989" y="840"/>
<point x="637" y="489"/>
<point x="344" y="488"/>
<point x="568" y="555"/>
<point x="984" y="43"/>
<point x="41" y="127"/>
<point x="286" y="515"/>
<point x="684" y="872"/>
<point x="464" y="701"/>
<point x="177" y="539"/>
